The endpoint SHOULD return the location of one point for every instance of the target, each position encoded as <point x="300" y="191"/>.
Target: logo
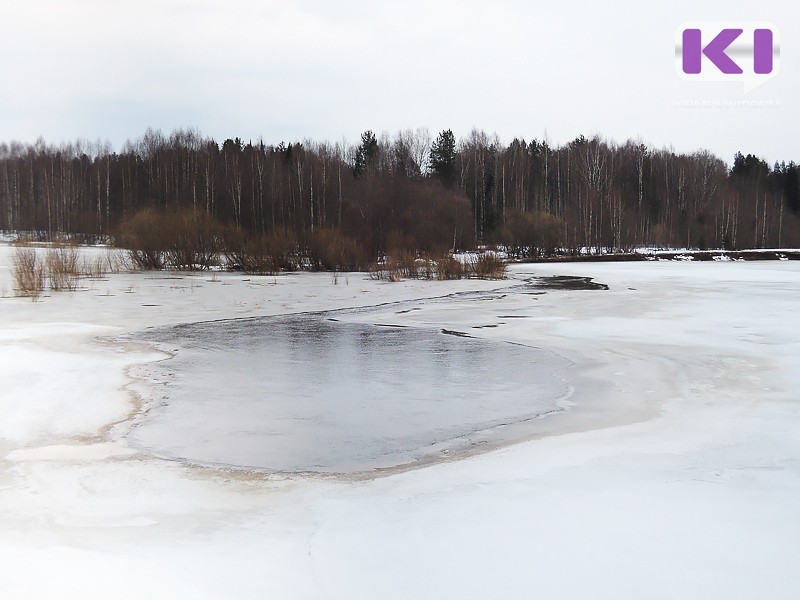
<point x="747" y="51"/>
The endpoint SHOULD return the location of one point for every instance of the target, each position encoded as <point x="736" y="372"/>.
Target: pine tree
<point x="443" y="158"/>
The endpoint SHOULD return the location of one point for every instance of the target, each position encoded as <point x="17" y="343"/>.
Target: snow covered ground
<point x="676" y="474"/>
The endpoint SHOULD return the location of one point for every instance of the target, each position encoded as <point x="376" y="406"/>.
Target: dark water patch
<point x="567" y="282"/>
<point x="305" y="394"/>
<point x="456" y="333"/>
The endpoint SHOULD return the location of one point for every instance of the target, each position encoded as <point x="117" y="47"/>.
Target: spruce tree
<point x="443" y="158"/>
<point x="366" y="154"/>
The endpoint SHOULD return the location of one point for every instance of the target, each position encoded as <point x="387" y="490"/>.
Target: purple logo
<point x="748" y="51"/>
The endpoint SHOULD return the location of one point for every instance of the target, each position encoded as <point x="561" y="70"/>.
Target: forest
<point x="411" y="191"/>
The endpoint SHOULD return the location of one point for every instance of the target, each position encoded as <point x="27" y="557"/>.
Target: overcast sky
<point x="286" y="70"/>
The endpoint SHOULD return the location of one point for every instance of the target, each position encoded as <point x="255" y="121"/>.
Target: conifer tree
<point x="443" y="158"/>
<point x="366" y="154"/>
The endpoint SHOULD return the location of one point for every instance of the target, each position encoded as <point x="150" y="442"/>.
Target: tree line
<point x="410" y="191"/>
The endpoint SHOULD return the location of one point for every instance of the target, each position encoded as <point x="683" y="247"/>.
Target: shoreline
<point x="755" y="254"/>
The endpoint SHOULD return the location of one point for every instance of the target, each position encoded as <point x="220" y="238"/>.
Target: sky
<point x="287" y="71"/>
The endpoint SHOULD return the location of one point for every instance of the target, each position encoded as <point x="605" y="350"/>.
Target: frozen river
<point x="674" y="474"/>
<point x="312" y="393"/>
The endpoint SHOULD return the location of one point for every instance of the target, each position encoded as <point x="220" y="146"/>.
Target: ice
<point x="309" y="393"/>
<point x="674" y="474"/>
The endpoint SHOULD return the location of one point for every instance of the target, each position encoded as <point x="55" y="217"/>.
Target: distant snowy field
<point x="675" y="474"/>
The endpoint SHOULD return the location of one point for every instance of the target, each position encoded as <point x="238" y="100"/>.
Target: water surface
<point x="310" y="394"/>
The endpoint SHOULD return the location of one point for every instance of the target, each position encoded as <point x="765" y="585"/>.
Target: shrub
<point x="427" y="269"/>
<point x="260" y="254"/>
<point x="488" y="266"/>
<point x="93" y="268"/>
<point x="28" y="271"/>
<point x="282" y="246"/>
<point x="193" y="240"/>
<point x="62" y="267"/>
<point x="405" y="263"/>
<point x="248" y="253"/>
<point x="329" y="250"/>
<point x="380" y="272"/>
<point x="185" y="240"/>
<point x="448" y="267"/>
<point x="532" y="234"/>
<point x="144" y="236"/>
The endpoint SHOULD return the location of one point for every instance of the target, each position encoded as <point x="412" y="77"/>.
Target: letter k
<point x="714" y="51"/>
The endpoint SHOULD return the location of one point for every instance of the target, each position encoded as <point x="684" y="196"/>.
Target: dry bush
<point x="185" y="240"/>
<point x="112" y="261"/>
<point x="427" y="269"/>
<point x="62" y="267"/>
<point x="146" y="259"/>
<point x="532" y="234"/>
<point x="329" y="250"/>
<point x="405" y="263"/>
<point x="488" y="266"/>
<point x="260" y="254"/>
<point x="97" y="267"/>
<point x="93" y="268"/>
<point x="28" y="271"/>
<point x="282" y="246"/>
<point x="400" y="264"/>
<point x="380" y="272"/>
<point x="144" y="236"/>
<point x="193" y="240"/>
<point x="448" y="267"/>
<point x="116" y="260"/>
<point x="248" y="253"/>
<point x="239" y="249"/>
<point x="405" y="266"/>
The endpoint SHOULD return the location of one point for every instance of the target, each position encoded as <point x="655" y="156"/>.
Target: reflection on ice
<point x="309" y="394"/>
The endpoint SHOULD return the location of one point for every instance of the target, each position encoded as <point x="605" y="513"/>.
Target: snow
<point x="675" y="474"/>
